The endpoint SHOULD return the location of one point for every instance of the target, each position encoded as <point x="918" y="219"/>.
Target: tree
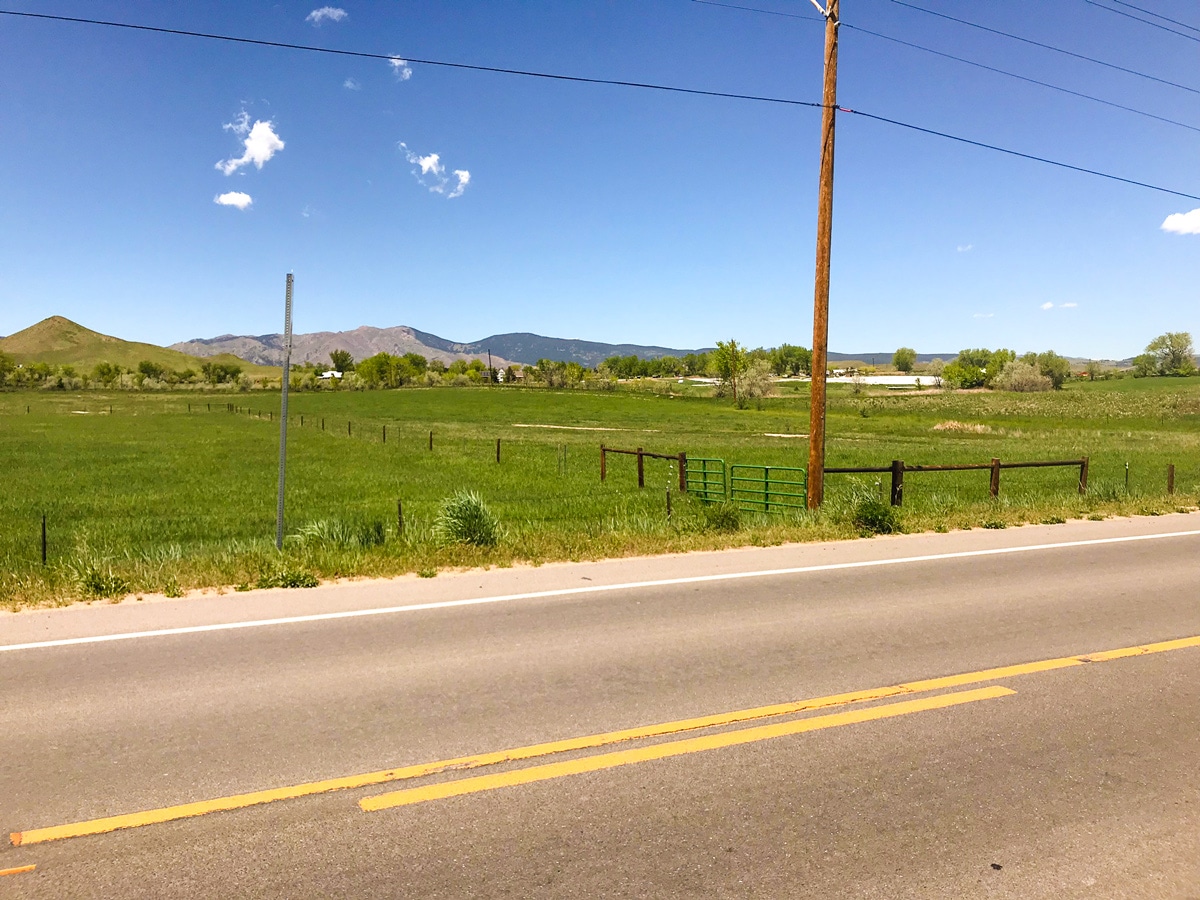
<point x="963" y="375"/>
<point x="729" y="362"/>
<point x="904" y="359"/>
<point x="1054" y="367"/>
<point x="151" y="369"/>
<point x="216" y="373"/>
<point x="342" y="361"/>
<point x="1094" y="370"/>
<point x="7" y="367"/>
<point x="788" y="359"/>
<point x="757" y="382"/>
<point x="1173" y="353"/>
<point x="106" y="373"/>
<point x="1019" y="375"/>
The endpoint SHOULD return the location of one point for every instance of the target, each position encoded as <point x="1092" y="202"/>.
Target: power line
<point x="1158" y="25"/>
<point x="605" y="81"/>
<point x="1018" y="153"/>
<point x="1157" y="16"/>
<point x="1025" y="78"/>
<point x="308" y="48"/>
<point x="765" y="12"/>
<point x="1051" y="47"/>
<point x="970" y="62"/>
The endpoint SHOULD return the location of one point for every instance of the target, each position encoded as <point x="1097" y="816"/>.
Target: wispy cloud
<point x="983" y="315"/>
<point x="1047" y="305"/>
<point x="1183" y="223"/>
<point x="330" y="13"/>
<point x="259" y="140"/>
<point x="964" y="248"/>
<point x="351" y="84"/>
<point x="1071" y="305"/>
<point x="430" y="171"/>
<point x="233" y="198"/>
<point x="400" y="68"/>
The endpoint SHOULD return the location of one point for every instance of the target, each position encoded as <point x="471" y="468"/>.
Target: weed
<point x="995" y="524"/>
<point x="465" y="519"/>
<point x="1054" y="520"/>
<point x="427" y="573"/>
<point x="725" y="517"/>
<point x="870" y="515"/>
<point x="287" y="578"/>
<point x="97" y="580"/>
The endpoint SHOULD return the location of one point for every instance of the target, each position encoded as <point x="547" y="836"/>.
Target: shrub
<point x="1024" y="377"/>
<point x="370" y="533"/>
<point x="465" y="519"/>
<point x="871" y="515"/>
<point x="724" y="516"/>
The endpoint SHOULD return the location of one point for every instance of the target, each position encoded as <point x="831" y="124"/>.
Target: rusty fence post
<point x="1171" y="478"/>
<point x="603" y="468"/>
<point x="1083" y="475"/>
<point x="897" y="482"/>
<point x="641" y="469"/>
<point x="994" y="487"/>
<point x="683" y="473"/>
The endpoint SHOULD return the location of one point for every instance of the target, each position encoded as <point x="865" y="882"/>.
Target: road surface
<point x="981" y="714"/>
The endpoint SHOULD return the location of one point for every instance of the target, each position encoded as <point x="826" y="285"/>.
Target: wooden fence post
<point x="994" y="487"/>
<point x="1083" y="475"/>
<point x="385" y="434"/>
<point x="641" y="469"/>
<point x="348" y="430"/>
<point x="400" y="517"/>
<point x="431" y="442"/>
<point x="497" y="449"/>
<point x="1171" y="478"/>
<point x="897" y="482"/>
<point x="43" y="539"/>
<point x="602" y="463"/>
<point x="668" y="503"/>
<point x="683" y="473"/>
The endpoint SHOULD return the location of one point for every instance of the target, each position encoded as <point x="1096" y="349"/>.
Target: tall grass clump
<point x="871" y="515"/>
<point x="464" y="518"/>
<point x="725" y="517"/>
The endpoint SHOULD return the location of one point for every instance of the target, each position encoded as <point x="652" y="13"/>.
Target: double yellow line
<point x="612" y="759"/>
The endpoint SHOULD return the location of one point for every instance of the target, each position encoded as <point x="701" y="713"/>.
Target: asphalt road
<point x="1074" y="778"/>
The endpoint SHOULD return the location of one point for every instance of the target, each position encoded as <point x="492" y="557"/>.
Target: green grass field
<point x="154" y="498"/>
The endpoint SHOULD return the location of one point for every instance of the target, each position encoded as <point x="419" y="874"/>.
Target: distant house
<point x="330" y="375"/>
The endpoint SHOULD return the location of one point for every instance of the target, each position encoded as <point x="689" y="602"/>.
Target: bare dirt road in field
<point x="981" y="714"/>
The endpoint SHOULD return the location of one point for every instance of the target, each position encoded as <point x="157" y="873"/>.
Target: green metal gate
<point x="768" y="488"/>
<point x="706" y="479"/>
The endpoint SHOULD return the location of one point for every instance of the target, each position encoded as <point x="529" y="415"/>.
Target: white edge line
<point x="590" y="589"/>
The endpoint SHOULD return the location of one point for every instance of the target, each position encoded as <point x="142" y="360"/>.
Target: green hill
<point x="58" y="341"/>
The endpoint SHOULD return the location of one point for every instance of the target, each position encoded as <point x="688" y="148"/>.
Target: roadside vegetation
<point x="154" y="498"/>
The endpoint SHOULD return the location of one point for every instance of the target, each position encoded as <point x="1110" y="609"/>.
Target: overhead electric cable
<point x="765" y="12"/>
<point x="1158" y="25"/>
<point x="605" y="81"/>
<point x="1157" y="15"/>
<point x="970" y="62"/>
<point x="1051" y="47"/>
<point x="1018" y="153"/>
<point x="386" y="57"/>
<point x="1019" y="77"/>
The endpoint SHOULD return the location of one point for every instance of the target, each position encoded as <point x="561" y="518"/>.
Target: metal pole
<point x="816" y="427"/>
<point x="283" y="416"/>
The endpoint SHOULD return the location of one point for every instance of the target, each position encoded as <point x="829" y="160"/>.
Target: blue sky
<point x="591" y="211"/>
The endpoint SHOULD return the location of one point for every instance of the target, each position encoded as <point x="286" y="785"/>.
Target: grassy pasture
<point x="152" y="498"/>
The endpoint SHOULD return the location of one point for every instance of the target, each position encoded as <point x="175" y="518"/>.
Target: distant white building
<point x="331" y="374"/>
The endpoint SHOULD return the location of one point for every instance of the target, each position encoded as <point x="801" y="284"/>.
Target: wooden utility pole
<point x="820" y="348"/>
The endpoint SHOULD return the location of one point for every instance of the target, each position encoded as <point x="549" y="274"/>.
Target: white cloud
<point x="233" y="198"/>
<point x="332" y="13"/>
<point x="239" y="126"/>
<point x="983" y="315"/>
<point x="351" y="84"/>
<point x="261" y="143"/>
<point x="1047" y="305"/>
<point x="430" y="171"/>
<point x="965" y="248"/>
<point x="400" y="68"/>
<point x="1183" y="223"/>
<point x="1068" y="305"/>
